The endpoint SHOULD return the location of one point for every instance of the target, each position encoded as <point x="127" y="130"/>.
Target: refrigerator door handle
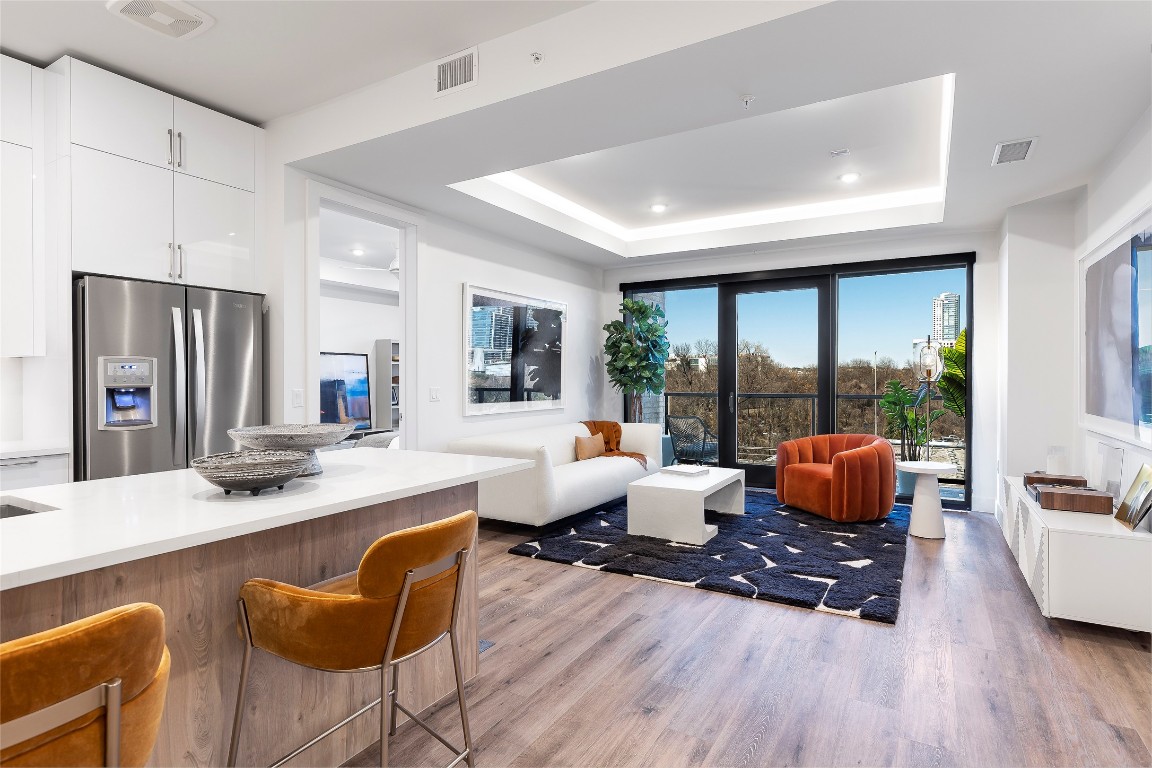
<point x="179" y="391"/>
<point x="201" y="381"/>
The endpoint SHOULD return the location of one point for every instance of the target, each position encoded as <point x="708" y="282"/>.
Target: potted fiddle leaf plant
<point x="901" y="408"/>
<point x="635" y="352"/>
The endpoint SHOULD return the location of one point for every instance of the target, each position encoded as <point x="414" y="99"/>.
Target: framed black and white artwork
<point x="514" y="352"/>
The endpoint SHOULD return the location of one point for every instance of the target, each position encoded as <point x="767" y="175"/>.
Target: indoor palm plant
<point x="900" y="405"/>
<point x="635" y="352"/>
<point x="953" y="382"/>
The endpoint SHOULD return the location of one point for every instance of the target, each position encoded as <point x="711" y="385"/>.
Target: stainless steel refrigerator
<point x="162" y="373"/>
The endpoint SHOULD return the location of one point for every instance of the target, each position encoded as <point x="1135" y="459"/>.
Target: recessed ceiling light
<point x="231" y="234"/>
<point x="357" y="251"/>
<point x="658" y="208"/>
<point x="849" y="177"/>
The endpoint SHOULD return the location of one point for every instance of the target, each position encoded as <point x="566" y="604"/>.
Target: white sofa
<point x="558" y="485"/>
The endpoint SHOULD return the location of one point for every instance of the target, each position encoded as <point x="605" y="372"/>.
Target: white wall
<point x="11" y="398"/>
<point x="1116" y="194"/>
<point x="452" y="254"/>
<point x="985" y="313"/>
<point x="1037" y="390"/>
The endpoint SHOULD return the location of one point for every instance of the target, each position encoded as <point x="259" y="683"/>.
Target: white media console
<point x="1079" y="566"/>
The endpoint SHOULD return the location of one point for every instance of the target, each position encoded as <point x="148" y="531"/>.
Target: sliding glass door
<point x="759" y="358"/>
<point x="774" y="378"/>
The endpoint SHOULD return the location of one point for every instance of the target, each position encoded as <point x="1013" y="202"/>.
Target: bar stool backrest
<point x="431" y="552"/>
<point x="88" y="693"/>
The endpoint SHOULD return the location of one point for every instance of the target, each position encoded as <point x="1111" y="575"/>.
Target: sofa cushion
<point x="589" y="447"/>
<point x="810" y="487"/>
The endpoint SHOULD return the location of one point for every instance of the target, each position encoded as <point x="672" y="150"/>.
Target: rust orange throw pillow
<point x="611" y="431"/>
<point x="589" y="447"/>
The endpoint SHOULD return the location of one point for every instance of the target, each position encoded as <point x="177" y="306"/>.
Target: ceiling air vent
<point x="1012" y="151"/>
<point x="171" y="18"/>
<point x="456" y="72"/>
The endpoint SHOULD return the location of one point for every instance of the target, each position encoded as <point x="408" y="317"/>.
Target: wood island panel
<point x="198" y="587"/>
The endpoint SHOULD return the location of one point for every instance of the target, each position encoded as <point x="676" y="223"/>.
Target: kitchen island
<point x="173" y="539"/>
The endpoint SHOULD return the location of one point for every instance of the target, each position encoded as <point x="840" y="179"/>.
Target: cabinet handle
<point x="26" y="463"/>
<point x="180" y="271"/>
<point x="171" y="261"/>
<point x="180" y="147"/>
<point x="169" y="146"/>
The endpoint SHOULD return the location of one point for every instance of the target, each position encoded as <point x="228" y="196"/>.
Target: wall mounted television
<point x="345" y="391"/>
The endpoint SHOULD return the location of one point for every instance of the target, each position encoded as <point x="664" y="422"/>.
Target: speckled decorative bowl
<point x="298" y="437"/>
<point x="251" y="471"/>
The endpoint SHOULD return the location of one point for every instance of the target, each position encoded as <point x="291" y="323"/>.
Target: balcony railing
<point x="765" y="419"/>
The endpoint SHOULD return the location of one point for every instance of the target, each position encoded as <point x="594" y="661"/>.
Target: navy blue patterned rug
<point x="772" y="552"/>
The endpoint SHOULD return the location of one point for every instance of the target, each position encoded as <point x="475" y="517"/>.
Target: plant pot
<point x="905" y="482"/>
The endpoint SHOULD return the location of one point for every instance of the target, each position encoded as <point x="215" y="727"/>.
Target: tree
<point x="636" y="350"/>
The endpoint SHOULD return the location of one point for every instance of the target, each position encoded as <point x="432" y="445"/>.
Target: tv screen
<point x="345" y="397"/>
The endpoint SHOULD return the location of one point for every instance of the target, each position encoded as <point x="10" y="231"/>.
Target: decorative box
<point x="1072" y="499"/>
<point x="1043" y="478"/>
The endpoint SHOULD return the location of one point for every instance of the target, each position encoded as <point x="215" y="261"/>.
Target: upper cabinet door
<point x="213" y="146"/>
<point x="17" y="281"/>
<point x="114" y="114"/>
<point x="215" y="233"/>
<point x="15" y="102"/>
<point x="121" y="217"/>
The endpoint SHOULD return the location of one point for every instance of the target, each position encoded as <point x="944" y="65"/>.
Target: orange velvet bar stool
<point x="87" y="693"/>
<point x="846" y="478"/>
<point x="402" y="600"/>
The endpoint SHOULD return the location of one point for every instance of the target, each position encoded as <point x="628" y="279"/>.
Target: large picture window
<point x="758" y="358"/>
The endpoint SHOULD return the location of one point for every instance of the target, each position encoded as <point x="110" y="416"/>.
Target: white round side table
<point x="927" y="513"/>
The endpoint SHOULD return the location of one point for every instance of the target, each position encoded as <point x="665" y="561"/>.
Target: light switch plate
<point x="297" y="398"/>
<point x="434" y="394"/>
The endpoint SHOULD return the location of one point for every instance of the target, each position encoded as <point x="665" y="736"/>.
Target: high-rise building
<point x="492" y="328"/>
<point x="946" y="318"/>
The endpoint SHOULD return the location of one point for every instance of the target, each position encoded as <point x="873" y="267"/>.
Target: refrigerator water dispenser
<point x="128" y="387"/>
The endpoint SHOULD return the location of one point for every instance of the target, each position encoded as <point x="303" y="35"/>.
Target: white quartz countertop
<point x="99" y="523"/>
<point x="22" y="449"/>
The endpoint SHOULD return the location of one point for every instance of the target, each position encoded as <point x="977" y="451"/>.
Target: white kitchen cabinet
<point x="213" y="146"/>
<point x="121" y="217"/>
<point x="16" y="111"/>
<point x="33" y="471"/>
<point x="17" y="276"/>
<point x="128" y="194"/>
<point x="214" y="234"/>
<point x="114" y="114"/>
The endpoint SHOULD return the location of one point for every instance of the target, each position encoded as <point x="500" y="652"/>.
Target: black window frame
<point x="828" y="339"/>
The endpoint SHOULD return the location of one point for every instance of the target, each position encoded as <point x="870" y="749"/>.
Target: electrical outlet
<point x="297" y="398"/>
<point x="434" y="394"/>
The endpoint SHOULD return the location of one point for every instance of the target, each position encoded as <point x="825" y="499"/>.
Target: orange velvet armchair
<point x="846" y="478"/>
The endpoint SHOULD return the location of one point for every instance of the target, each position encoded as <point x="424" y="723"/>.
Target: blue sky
<point x="877" y="312"/>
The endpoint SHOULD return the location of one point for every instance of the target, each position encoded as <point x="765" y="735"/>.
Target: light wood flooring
<point x="596" y="669"/>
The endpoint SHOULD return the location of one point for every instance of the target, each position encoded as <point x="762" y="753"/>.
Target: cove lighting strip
<point x="529" y="190"/>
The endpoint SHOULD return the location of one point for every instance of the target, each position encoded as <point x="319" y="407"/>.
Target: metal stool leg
<point x="386" y="714"/>
<point x="395" y="697"/>
<point x="238" y="719"/>
<point x="471" y="760"/>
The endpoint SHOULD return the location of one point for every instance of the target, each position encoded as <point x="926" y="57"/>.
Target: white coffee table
<point x="672" y="507"/>
<point x="927" y="513"/>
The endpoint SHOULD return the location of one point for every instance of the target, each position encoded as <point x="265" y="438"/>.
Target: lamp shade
<point x="926" y="362"/>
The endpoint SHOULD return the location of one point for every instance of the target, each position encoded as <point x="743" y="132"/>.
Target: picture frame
<point x="345" y="389"/>
<point x="1114" y="336"/>
<point x="1138" y="500"/>
<point x="513" y="352"/>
